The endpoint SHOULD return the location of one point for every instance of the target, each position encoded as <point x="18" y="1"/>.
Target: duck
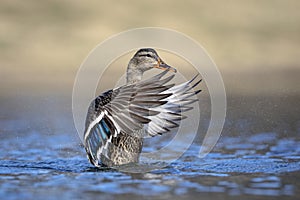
<point x="120" y="119"/>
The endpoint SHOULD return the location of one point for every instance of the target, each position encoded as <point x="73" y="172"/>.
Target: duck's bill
<point x="164" y="66"/>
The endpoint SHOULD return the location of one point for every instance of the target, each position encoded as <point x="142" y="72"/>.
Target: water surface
<point x="51" y="166"/>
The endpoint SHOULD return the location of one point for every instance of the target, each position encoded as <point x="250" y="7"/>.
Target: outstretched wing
<point x="153" y="105"/>
<point x="171" y="113"/>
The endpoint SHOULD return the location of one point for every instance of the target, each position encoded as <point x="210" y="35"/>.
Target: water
<point x="42" y="158"/>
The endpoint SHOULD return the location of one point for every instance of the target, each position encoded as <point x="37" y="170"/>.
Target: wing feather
<point x="154" y="104"/>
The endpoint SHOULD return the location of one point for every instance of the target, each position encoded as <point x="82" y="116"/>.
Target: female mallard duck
<point x="119" y="119"/>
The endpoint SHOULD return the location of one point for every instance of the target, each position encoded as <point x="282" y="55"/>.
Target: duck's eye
<point x="147" y="55"/>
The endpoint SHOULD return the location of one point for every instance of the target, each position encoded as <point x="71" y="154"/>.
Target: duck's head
<point x="146" y="59"/>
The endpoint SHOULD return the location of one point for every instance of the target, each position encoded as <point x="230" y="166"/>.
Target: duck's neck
<point x="133" y="75"/>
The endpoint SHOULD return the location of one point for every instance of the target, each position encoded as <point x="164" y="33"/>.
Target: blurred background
<point x="43" y="40"/>
<point x="255" y="44"/>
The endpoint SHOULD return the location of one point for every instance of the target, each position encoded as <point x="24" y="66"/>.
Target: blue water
<point x="257" y="157"/>
<point x="43" y="165"/>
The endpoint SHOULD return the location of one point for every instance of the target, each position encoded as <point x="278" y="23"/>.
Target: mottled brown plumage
<point x="119" y="119"/>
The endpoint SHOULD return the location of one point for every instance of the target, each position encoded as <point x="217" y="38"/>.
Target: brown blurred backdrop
<point x="43" y="41"/>
<point x="254" y="43"/>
